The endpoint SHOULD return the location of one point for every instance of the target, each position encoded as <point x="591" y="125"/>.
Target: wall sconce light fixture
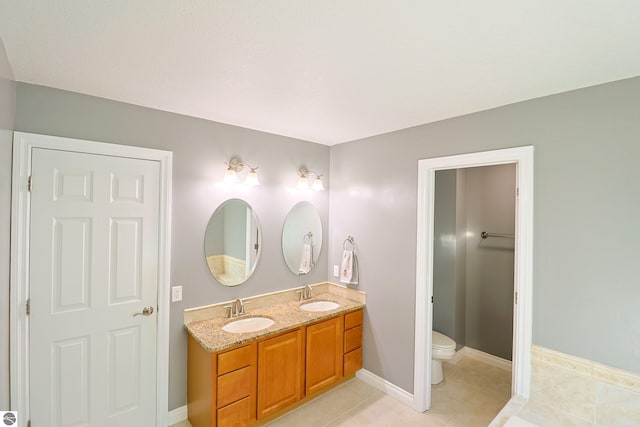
<point x="303" y="181"/>
<point x="236" y="165"/>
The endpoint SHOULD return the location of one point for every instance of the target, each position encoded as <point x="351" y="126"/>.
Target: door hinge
<point x="28" y="308"/>
<point x="431" y="299"/>
<point x="28" y="423"/>
<point x="516" y="297"/>
<point x="517" y="192"/>
<point x="30" y="183"/>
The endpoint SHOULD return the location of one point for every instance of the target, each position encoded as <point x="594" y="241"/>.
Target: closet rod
<point x="484" y="235"/>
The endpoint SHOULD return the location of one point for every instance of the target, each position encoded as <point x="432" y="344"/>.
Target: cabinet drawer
<point x="235" y="385"/>
<point x="236" y="414"/>
<point x="352" y="339"/>
<point x="352" y="362"/>
<point x="236" y="359"/>
<point x="352" y="319"/>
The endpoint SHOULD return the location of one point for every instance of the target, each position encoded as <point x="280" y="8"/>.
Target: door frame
<point x="23" y="144"/>
<point x="523" y="260"/>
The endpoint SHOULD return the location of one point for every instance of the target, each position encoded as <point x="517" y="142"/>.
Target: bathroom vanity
<point x="252" y="377"/>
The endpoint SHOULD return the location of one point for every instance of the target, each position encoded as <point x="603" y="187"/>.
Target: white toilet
<point x="442" y="348"/>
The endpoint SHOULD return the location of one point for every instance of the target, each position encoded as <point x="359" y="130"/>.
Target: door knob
<point x="147" y="311"/>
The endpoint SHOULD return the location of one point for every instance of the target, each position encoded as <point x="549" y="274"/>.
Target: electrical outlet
<point x="336" y="271"/>
<point x="176" y="293"/>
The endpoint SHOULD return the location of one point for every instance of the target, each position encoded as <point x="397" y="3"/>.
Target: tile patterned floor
<point x="471" y="395"/>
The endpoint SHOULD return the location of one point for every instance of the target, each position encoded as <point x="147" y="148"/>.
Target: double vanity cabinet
<point x="260" y="377"/>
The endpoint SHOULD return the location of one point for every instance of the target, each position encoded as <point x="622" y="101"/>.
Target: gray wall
<point x="235" y="224"/>
<point x="586" y="232"/>
<point x="214" y="237"/>
<point x="489" y="285"/>
<point x="200" y="149"/>
<point x="460" y="336"/>
<point x="7" y="110"/>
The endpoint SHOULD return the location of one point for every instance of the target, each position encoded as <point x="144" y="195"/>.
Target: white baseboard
<point x="386" y="387"/>
<point x="177" y="415"/>
<point x="487" y="358"/>
<point x="458" y="356"/>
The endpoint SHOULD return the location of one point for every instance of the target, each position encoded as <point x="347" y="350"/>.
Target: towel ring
<point x="347" y="241"/>
<point x="308" y="238"/>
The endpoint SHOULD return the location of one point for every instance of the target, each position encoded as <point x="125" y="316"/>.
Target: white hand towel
<point x="349" y="270"/>
<point x="305" y="259"/>
<point x="347" y="267"/>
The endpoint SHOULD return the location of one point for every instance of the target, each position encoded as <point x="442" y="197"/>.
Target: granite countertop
<point x="286" y="316"/>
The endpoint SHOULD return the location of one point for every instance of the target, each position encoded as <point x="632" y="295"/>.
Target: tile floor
<point x="471" y="394"/>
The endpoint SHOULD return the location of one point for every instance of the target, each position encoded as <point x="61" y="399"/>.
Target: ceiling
<point x="325" y="71"/>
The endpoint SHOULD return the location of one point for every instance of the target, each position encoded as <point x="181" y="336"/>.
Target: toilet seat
<point x="442" y="347"/>
<point x="442" y="342"/>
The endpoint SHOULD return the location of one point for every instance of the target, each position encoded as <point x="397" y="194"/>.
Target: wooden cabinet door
<point x="280" y="372"/>
<point x="324" y="354"/>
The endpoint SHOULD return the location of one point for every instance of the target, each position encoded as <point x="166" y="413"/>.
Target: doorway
<point x="89" y="295"/>
<point x="522" y="157"/>
<point x="473" y="250"/>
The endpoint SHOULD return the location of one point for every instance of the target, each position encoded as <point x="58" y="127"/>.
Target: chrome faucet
<point x="239" y="307"/>
<point x="236" y="308"/>
<point x="305" y="293"/>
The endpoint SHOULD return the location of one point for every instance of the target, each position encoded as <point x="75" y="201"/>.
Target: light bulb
<point x="252" y="178"/>
<point x="303" y="184"/>
<point x="230" y="176"/>
<point x="317" y="184"/>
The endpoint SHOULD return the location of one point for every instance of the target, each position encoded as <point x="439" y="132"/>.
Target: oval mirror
<point x="302" y="238"/>
<point x="232" y="242"/>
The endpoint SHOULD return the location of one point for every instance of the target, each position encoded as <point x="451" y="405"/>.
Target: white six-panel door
<point x="93" y="266"/>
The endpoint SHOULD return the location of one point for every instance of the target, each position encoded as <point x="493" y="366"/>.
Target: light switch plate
<point x="336" y="271"/>
<point x="176" y="293"/>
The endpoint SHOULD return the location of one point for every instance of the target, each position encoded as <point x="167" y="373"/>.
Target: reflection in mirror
<point x="232" y="242"/>
<point x="302" y="238"/>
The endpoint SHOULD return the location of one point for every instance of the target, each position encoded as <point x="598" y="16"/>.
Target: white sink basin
<point x="250" y="324"/>
<point x="319" y="306"/>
